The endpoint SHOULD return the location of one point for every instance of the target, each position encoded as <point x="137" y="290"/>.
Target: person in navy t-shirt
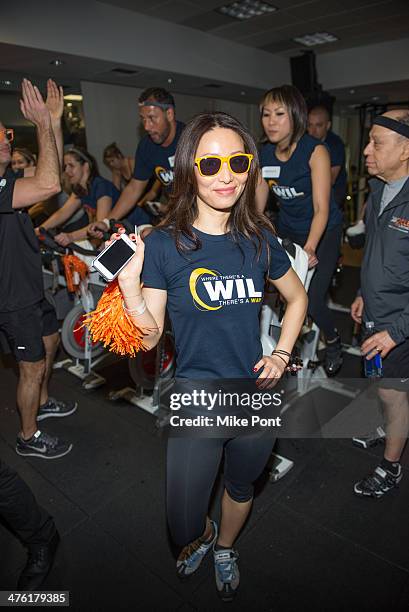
<point x="91" y="192"/>
<point x="296" y="167"/>
<point x="207" y="264"/>
<point x="319" y="126"/>
<point x="154" y="157"/>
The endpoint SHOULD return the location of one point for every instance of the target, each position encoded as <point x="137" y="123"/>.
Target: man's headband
<point x="392" y="124"/>
<point x="162" y="105"/>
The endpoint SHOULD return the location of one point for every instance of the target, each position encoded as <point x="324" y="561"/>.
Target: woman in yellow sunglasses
<point x="207" y="263"/>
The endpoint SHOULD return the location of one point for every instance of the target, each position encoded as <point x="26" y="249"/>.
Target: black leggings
<point x="327" y="252"/>
<point x="192" y="467"/>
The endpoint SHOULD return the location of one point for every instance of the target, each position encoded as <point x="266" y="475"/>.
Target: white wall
<point x="111" y="114"/>
<point x="380" y="63"/>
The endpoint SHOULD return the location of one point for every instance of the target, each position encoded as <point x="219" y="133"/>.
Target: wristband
<point x="281" y="352"/>
<point x="280" y="357"/>
<point x="137" y="311"/>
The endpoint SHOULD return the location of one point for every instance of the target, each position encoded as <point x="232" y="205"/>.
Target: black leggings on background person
<point x="20" y="511"/>
<point x="327" y="253"/>
<point x="192" y="467"/>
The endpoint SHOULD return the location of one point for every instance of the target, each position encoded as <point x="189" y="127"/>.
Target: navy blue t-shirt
<point x="337" y="154"/>
<point x="100" y="187"/>
<point x="154" y="160"/>
<point x="214" y="296"/>
<point x="291" y="183"/>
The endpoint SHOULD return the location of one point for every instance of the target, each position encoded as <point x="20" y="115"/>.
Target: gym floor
<point x="309" y="541"/>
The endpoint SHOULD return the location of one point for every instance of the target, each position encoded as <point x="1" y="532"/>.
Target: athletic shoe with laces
<point x="193" y="554"/>
<point x="56" y="408"/>
<point x="378" y="483"/>
<point x="226" y="572"/>
<point x="42" y="445"/>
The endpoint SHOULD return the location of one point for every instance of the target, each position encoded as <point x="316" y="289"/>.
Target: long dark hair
<point x="290" y="97"/>
<point x="83" y="157"/>
<point x="244" y="218"/>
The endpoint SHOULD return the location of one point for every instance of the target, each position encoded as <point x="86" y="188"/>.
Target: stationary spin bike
<point x="83" y="354"/>
<point x="312" y="375"/>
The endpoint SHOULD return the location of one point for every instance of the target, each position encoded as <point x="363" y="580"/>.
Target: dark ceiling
<point x="353" y="22"/>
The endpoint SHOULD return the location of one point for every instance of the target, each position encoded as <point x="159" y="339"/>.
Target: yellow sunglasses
<point x="6" y="135"/>
<point x="211" y="165"/>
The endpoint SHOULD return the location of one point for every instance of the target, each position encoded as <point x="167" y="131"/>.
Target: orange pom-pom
<point x="109" y="324"/>
<point x="75" y="271"/>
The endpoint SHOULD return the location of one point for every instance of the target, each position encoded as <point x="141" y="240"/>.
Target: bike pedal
<point x="371" y="440"/>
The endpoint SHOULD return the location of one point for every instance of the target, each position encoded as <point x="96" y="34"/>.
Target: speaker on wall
<point x="304" y="73"/>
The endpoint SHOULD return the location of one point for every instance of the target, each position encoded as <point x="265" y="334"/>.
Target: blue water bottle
<point x="372" y="367"/>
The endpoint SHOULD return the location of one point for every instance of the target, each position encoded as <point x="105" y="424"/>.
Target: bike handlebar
<point x="47" y="238"/>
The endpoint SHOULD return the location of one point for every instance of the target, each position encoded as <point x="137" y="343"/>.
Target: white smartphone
<point x="114" y="257"/>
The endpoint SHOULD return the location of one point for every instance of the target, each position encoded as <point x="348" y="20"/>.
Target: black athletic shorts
<point x="396" y="368"/>
<point x="26" y="327"/>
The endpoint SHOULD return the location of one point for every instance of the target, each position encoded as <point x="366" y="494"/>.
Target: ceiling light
<point x="57" y="62"/>
<point x="170" y="80"/>
<point x="6" y="83"/>
<point x="319" y="38"/>
<point x="246" y="9"/>
<point x="73" y="97"/>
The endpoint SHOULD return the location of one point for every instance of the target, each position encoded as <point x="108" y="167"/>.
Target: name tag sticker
<point x="270" y="172"/>
<point x="171" y="161"/>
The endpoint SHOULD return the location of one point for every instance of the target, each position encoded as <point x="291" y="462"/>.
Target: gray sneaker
<point x="193" y="554"/>
<point x="226" y="572"/>
<point x="56" y="408"/>
<point x="42" y="445"/>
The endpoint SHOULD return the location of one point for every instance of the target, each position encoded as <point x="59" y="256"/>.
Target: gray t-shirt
<point x="390" y="191"/>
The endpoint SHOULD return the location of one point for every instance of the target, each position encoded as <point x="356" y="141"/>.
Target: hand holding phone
<point x="122" y="258"/>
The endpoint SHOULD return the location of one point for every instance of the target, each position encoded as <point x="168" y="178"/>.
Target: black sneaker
<point x="38" y="565"/>
<point x="378" y="483"/>
<point x="333" y="356"/>
<point x="56" y="408"/>
<point x="42" y="445"/>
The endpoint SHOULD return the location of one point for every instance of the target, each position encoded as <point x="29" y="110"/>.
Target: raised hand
<point x="33" y="106"/>
<point x="55" y="100"/>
